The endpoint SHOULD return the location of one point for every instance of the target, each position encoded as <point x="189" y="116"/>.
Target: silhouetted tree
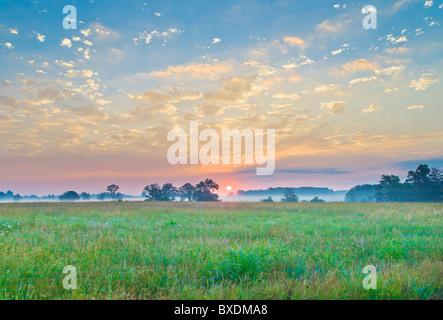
<point x="156" y="193"/>
<point x="289" y="196"/>
<point x="425" y="184"/>
<point x="389" y="189"/>
<point x="269" y="199"/>
<point x="361" y="193"/>
<point x="17" y="197"/>
<point x="205" y="191"/>
<point x="69" y="196"/>
<point x="317" y="200"/>
<point x="85" y="196"/>
<point x="112" y="189"/>
<point x="101" y="196"/>
<point x="186" y="191"/>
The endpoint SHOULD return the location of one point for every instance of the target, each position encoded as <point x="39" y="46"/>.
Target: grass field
<point x="139" y="250"/>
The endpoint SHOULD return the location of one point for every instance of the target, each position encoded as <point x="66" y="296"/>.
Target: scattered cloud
<point x="294" y="41"/>
<point x="423" y="83"/>
<point x="334" y="107"/>
<point x="371" y="108"/>
<point x="66" y="43"/>
<point x="416" y="107"/>
<point x="428" y="3"/>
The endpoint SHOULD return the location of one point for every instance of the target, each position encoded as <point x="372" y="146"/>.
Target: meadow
<point x="144" y="250"/>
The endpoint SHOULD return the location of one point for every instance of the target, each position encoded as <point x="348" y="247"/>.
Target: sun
<point x="229" y="188"/>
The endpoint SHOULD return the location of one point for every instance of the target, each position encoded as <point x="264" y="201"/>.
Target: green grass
<point x="139" y="250"/>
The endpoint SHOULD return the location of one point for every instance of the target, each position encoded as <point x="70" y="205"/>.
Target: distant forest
<point x="422" y="185"/>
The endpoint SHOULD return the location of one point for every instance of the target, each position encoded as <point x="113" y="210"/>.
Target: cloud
<point x="395" y="40"/>
<point x="428" y="3"/>
<point x="86" y="32"/>
<point x="13" y="31"/>
<point x="147" y="36"/>
<point x="8" y="45"/>
<point x="415" y="107"/>
<point x="400" y="50"/>
<point x="195" y="70"/>
<point x="371" y="108"/>
<point x="41" y="37"/>
<point x="326" y="88"/>
<point x="294" y="41"/>
<point x="334" y="107"/>
<point x="85" y="73"/>
<point x="362" y="80"/>
<point x="423" y="83"/>
<point x="232" y="91"/>
<point x="64" y="64"/>
<point x="285" y="96"/>
<point x="88" y="43"/>
<point x="393" y="71"/>
<point x="327" y="26"/>
<point x="216" y="40"/>
<point x="359" y="64"/>
<point x="66" y="43"/>
<point x="90" y="112"/>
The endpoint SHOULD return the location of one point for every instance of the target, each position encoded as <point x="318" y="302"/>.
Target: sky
<point x="84" y="108"/>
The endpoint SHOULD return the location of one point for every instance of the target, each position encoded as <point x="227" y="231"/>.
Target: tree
<point x="361" y="193"/>
<point x="206" y="191"/>
<point x="389" y="189"/>
<point x="268" y="200"/>
<point x="17" y="197"/>
<point x="317" y="200"/>
<point x="186" y="191"/>
<point x="156" y="193"/>
<point x="425" y="184"/>
<point x="112" y="189"/>
<point x="101" y="196"/>
<point x="69" y="196"/>
<point x="289" y="196"/>
<point x="85" y="196"/>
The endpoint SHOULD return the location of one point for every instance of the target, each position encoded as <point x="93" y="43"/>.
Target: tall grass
<point x="139" y="250"/>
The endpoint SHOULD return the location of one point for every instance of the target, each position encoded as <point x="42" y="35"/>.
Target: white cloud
<point x="64" y="64"/>
<point x="371" y="108"/>
<point x="87" y="73"/>
<point x="216" y="40"/>
<point x="393" y="71"/>
<point x="8" y="45"/>
<point x="326" y="88"/>
<point x="285" y="96"/>
<point x="66" y="42"/>
<point x="360" y="80"/>
<point x="423" y="83"/>
<point x="76" y="39"/>
<point x="86" y="32"/>
<point x="416" y="107"/>
<point x="157" y="14"/>
<point x="13" y="31"/>
<point x="393" y="39"/>
<point x="428" y="3"/>
<point x="335" y="52"/>
<point x="87" y="42"/>
<point x="41" y="37"/>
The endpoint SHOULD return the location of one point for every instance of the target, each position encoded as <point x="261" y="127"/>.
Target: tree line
<point x="422" y="185"/>
<point x="203" y="191"/>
